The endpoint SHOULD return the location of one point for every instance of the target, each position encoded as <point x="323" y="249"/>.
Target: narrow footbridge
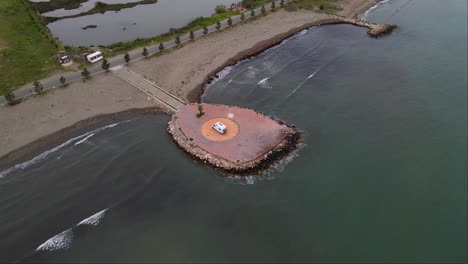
<point x="172" y="102"/>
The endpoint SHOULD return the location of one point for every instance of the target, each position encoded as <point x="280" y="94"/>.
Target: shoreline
<point x="37" y="146"/>
<point x="194" y="95"/>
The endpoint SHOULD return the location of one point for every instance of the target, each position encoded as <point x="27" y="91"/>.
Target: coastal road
<point x="135" y="55"/>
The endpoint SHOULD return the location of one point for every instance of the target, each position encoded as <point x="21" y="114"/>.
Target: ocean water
<point x="381" y="176"/>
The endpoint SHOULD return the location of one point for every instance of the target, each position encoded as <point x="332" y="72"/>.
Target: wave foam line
<point x="46" y="153"/>
<point x="364" y="16"/>
<point x="95" y="219"/>
<point x="64" y="239"/>
<point x="84" y="139"/>
<point x="301" y="84"/>
<point x="60" y="241"/>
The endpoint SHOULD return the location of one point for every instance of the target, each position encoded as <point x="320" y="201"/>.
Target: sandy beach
<point x="182" y="71"/>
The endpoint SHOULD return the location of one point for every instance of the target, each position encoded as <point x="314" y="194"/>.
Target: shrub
<point x="127" y="58"/>
<point x="145" y="52"/>
<point x="63" y="82"/>
<point x="205" y="30"/>
<point x="252" y="13"/>
<point x="38" y="88"/>
<point x="218" y="25"/>
<point x="263" y="10"/>
<point x="191" y="35"/>
<point x="242" y="17"/>
<point x="161" y="46"/>
<point x="177" y="40"/>
<point x="220" y="9"/>
<point x="322" y="7"/>
<point x="105" y="65"/>
<point x="229" y="21"/>
<point x="85" y="73"/>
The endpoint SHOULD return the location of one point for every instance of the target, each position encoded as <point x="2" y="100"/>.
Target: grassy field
<point x="27" y="48"/>
<point x="196" y="24"/>
<point x="323" y="5"/>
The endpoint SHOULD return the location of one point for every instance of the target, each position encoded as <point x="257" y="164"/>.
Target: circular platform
<point x="209" y="133"/>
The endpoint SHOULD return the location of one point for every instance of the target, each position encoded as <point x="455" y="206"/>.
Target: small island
<point x="251" y="143"/>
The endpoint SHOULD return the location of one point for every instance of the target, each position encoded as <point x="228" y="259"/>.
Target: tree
<point x="38" y="88"/>
<point x="161" y="46"/>
<point x="252" y="13"/>
<point x="85" y="73"/>
<point x="191" y="35"/>
<point x="145" y="52"/>
<point x="229" y="21"/>
<point x="242" y="17"/>
<point x="9" y="96"/>
<point x="205" y="30"/>
<point x="282" y="3"/>
<point x="218" y="25"/>
<point x="200" y="111"/>
<point x="105" y="65"/>
<point x="63" y="82"/>
<point x="127" y="58"/>
<point x="263" y="10"/>
<point x="220" y="9"/>
<point x="273" y="5"/>
<point x="177" y="40"/>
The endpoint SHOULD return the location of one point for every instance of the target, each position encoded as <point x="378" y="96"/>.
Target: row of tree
<point x="39" y="88"/>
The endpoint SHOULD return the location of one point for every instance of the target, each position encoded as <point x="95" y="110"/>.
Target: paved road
<point x="135" y="55"/>
<point x="149" y="88"/>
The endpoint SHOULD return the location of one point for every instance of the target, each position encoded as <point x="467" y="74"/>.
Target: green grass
<point x="43" y="7"/>
<point x="328" y="6"/>
<point x="27" y="48"/>
<point x="207" y="21"/>
<point x="250" y="4"/>
<point x="122" y="47"/>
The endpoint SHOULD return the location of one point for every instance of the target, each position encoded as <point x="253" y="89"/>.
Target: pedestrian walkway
<point x="149" y="88"/>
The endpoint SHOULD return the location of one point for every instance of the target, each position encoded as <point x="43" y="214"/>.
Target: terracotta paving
<point x="256" y="134"/>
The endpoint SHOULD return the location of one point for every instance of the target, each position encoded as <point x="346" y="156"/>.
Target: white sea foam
<point x="95" y="219"/>
<point x="264" y="83"/>
<point x="270" y="173"/>
<point x="364" y="16"/>
<point x="84" y="139"/>
<point x="60" y="241"/>
<point x="46" y="153"/>
<point x="302" y="83"/>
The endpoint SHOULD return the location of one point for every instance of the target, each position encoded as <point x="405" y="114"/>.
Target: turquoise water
<point x="381" y="176"/>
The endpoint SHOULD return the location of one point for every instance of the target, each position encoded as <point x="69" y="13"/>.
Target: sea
<point x="381" y="175"/>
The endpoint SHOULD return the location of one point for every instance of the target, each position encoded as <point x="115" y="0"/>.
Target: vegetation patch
<point x="43" y="7"/>
<point x="89" y="26"/>
<point x="28" y="49"/>
<point x="328" y="6"/>
<point x="101" y="7"/>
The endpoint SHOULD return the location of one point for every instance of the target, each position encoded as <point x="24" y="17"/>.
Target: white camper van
<point x="94" y="57"/>
<point x="220" y="128"/>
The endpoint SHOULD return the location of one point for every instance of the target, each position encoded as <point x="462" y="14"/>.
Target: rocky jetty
<point x="223" y="161"/>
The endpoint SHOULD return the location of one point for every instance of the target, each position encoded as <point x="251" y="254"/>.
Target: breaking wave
<point x="95" y="219"/>
<point x="364" y="16"/>
<point x="57" y="242"/>
<point x="264" y="83"/>
<point x="79" y="139"/>
<point x="84" y="139"/>
<point x="64" y="240"/>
